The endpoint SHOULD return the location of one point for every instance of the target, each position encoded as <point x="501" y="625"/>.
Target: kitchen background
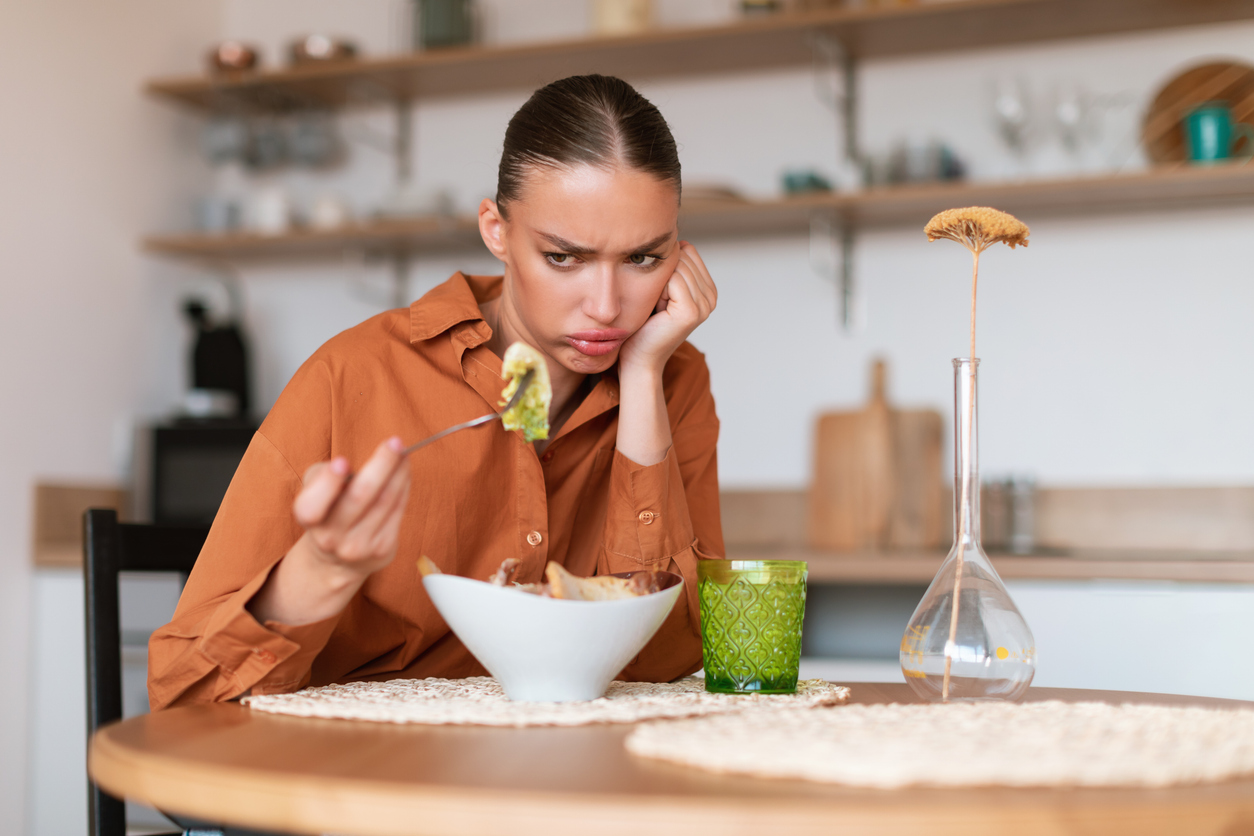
<point x="1117" y="348"/>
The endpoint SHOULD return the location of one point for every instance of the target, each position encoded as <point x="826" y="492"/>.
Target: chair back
<point x="111" y="547"/>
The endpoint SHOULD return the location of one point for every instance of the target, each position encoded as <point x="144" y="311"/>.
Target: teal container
<point x="751" y="617"/>
<point x="1212" y="136"/>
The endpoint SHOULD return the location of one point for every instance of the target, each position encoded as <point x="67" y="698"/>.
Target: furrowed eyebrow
<point x="578" y="249"/>
<point x="566" y="246"/>
<point x="648" y="246"/>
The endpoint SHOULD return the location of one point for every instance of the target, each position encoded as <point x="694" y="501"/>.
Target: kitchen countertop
<point x="919" y="567"/>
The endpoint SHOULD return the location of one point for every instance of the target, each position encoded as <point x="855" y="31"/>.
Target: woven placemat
<point x="479" y="701"/>
<point x="972" y="744"/>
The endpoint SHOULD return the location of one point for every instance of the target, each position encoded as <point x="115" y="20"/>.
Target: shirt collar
<point x="452" y="303"/>
<point x="453" y="308"/>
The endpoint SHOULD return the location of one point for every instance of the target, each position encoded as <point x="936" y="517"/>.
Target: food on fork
<point x="531" y="414"/>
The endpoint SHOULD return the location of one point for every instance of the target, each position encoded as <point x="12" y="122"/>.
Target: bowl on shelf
<point x="232" y="57"/>
<point x="546" y="649"/>
<point x="320" y="49"/>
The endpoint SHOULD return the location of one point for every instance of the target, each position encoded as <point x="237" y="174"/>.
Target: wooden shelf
<point x="744" y="46"/>
<point x="419" y="234"/>
<point x="1176" y="187"/>
<point x="1159" y="189"/>
<point x="920" y="567"/>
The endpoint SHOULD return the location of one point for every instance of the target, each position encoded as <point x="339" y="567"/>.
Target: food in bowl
<point x="600" y="588"/>
<point x="560" y="583"/>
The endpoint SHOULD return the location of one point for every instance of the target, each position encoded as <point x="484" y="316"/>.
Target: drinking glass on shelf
<point x="1071" y="111"/>
<point x="1012" y="113"/>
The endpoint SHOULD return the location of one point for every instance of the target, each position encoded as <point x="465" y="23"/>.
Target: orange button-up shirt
<point x="478" y="497"/>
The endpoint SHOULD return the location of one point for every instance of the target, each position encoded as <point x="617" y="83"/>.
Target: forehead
<point x="606" y="209"/>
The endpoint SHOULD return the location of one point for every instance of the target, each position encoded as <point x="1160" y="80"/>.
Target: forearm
<point x="305" y="588"/>
<point x="644" y="430"/>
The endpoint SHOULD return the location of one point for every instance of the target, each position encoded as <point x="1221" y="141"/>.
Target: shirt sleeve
<point x="666" y="516"/>
<point x="214" y="649"/>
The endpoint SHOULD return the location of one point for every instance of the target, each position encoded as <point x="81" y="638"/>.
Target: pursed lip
<point x="596" y="343"/>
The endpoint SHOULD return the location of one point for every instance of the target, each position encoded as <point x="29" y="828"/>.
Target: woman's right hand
<point x="352" y="524"/>
<point x="353" y="520"/>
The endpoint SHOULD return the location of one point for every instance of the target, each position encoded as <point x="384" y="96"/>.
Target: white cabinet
<point x="57" y="734"/>
<point x="1156" y="636"/>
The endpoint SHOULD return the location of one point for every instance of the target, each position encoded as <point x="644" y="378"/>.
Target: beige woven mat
<point x="967" y="744"/>
<point x="479" y="701"/>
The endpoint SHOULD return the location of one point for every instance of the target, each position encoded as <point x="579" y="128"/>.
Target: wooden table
<point x="227" y="763"/>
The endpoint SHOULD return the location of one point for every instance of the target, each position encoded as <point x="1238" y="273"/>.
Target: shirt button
<point x="647" y="517"/>
<point x="547" y="457"/>
<point x="534" y="538"/>
<point x="266" y="656"/>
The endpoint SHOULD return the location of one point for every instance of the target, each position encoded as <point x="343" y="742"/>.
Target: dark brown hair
<point x="586" y="119"/>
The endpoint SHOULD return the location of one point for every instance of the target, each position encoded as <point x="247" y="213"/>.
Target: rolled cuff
<point x="647" y="520"/>
<point x="252" y="657"/>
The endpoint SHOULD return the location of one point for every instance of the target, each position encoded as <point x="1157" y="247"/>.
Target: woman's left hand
<point x="687" y="301"/>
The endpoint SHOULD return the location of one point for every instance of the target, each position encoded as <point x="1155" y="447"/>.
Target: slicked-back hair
<point x="585" y="119"/>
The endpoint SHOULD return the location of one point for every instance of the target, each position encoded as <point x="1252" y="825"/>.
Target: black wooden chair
<point x="111" y="547"/>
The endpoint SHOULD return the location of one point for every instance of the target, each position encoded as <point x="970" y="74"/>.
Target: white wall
<point x="1153" y="636"/>
<point x="87" y="327"/>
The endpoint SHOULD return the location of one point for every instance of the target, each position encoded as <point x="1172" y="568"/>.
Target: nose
<point x="601" y="302"/>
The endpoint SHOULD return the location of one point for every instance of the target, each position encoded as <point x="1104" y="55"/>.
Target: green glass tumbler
<point x="751" y="615"/>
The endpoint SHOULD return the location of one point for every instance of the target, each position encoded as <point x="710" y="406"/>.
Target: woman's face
<point x="587" y="253"/>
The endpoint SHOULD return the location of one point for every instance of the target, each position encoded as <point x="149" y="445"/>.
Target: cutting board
<point x="877" y="476"/>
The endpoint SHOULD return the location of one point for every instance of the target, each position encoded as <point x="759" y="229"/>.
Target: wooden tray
<point x="1226" y="81"/>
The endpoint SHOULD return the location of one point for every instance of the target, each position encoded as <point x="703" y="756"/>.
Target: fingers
<point x="697" y="286"/>
<point x="388" y="533"/>
<point x="323" y="484"/>
<point x="365" y="537"/>
<point x="355" y="520"/>
<point x="700" y="281"/>
<point x="367" y="484"/>
<point x="682" y="302"/>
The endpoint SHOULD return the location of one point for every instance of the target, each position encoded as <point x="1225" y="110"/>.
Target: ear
<point x="492" y="228"/>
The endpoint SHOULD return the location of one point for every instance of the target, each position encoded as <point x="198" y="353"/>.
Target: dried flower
<point x="977" y="228"/>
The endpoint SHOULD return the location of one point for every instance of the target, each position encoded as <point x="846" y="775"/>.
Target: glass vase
<point x="982" y="649"/>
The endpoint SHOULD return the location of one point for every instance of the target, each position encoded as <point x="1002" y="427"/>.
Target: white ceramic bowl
<point x="545" y="649"/>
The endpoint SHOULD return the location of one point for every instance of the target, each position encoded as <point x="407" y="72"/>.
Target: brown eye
<point x="558" y="258"/>
<point x="642" y="260"/>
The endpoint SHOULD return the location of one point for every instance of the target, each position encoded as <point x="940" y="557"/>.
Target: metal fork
<point x="483" y="419"/>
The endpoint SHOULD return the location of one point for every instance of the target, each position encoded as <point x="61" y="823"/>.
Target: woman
<point x="309" y="576"/>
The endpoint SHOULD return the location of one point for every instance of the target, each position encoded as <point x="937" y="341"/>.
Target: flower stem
<point x="964" y="509"/>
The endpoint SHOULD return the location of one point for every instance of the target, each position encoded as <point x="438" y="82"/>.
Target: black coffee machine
<point x="219" y="359"/>
<point x="195" y="455"/>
